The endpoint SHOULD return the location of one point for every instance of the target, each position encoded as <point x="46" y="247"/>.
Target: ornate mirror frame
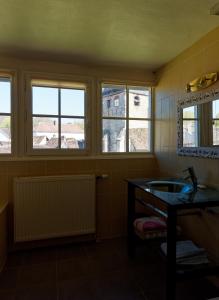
<point x="207" y="95"/>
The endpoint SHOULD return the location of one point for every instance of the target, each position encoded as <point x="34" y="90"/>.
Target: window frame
<point x="57" y="81"/>
<point x="127" y="84"/>
<point x="12" y="76"/>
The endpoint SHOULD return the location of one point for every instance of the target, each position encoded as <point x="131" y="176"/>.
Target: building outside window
<point x="126" y="127"/>
<point x="5" y="115"/>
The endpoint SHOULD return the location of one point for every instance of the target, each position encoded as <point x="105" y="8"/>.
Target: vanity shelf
<point x="170" y="204"/>
<point x="197" y="272"/>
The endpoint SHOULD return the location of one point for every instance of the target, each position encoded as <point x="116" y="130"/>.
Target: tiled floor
<point x="92" y="271"/>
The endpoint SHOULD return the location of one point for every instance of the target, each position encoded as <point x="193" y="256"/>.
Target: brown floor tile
<point x="37" y="292"/>
<point x="78" y="289"/>
<point x="36" y="274"/>
<point x="157" y="294"/>
<point x="70" y="252"/>
<point x="102" y="249"/>
<point x="197" y="289"/>
<point x="15" y="259"/>
<point x="41" y="255"/>
<point x="98" y="267"/>
<point x="150" y="276"/>
<point x="93" y="271"/>
<point x="118" y="286"/>
<point x="72" y="268"/>
<point x="8" y="279"/>
<point x="7" y="295"/>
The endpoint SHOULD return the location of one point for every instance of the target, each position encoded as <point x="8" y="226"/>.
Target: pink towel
<point x="150" y="224"/>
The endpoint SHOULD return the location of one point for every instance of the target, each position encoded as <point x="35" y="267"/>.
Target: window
<point x="58" y="116"/>
<point x="126" y="127"/>
<point x="5" y="115"/>
<point x="215" y="122"/>
<point x="190" y="126"/>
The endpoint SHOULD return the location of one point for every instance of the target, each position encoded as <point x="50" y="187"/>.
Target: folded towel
<point x="150" y="224"/>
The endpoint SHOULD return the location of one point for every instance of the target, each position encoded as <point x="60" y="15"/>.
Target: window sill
<point x="90" y="157"/>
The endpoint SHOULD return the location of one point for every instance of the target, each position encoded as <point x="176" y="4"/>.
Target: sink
<point x="171" y="186"/>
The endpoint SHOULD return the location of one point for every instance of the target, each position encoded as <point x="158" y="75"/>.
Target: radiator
<point x="53" y="206"/>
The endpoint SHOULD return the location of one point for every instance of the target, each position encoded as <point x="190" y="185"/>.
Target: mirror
<point x="198" y="125"/>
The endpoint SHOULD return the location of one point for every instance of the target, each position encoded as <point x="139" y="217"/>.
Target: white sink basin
<point x="170" y="186"/>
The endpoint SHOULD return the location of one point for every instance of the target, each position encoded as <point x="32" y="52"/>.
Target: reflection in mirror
<point x="201" y="125"/>
<point x="190" y="126"/>
<point x="198" y="125"/>
<point x="215" y="122"/>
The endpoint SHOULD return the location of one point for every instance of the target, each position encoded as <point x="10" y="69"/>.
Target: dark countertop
<point x="202" y="198"/>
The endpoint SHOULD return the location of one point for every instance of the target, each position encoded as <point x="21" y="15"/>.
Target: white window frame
<point x="58" y="81"/>
<point x="12" y="76"/>
<point x="127" y="153"/>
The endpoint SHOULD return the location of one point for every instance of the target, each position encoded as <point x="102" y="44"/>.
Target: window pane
<point x="113" y="101"/>
<point x="114" y="136"/>
<point x="216" y="132"/>
<point x="72" y="133"/>
<point x="190" y="112"/>
<point x="5" y="96"/>
<point x="72" y="102"/>
<point x="139" y="136"/>
<point x="139" y="103"/>
<point x="5" y="134"/>
<point x="45" y="133"/>
<point x="190" y="133"/>
<point x="45" y="100"/>
<point x="215" y="109"/>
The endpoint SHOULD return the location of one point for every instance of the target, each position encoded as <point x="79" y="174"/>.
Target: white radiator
<point x="53" y="206"/>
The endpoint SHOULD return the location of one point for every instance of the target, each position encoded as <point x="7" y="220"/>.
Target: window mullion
<point x="127" y="119"/>
<point x="5" y="114"/>
<point x="114" y="118"/>
<point x="140" y="119"/>
<point x="59" y="118"/>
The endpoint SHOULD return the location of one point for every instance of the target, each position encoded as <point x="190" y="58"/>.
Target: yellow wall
<point x="111" y="192"/>
<point x="201" y="58"/>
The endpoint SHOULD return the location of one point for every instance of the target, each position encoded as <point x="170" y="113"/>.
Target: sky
<point x="45" y="101"/>
<point x="5" y="96"/>
<point x="216" y="109"/>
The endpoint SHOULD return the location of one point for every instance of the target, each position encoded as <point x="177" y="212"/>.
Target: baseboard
<point x="52" y="242"/>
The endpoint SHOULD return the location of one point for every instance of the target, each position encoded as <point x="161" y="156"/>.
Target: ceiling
<point x="140" y="33"/>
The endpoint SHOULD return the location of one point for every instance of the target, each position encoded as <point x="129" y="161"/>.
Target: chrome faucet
<point x="192" y="177"/>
